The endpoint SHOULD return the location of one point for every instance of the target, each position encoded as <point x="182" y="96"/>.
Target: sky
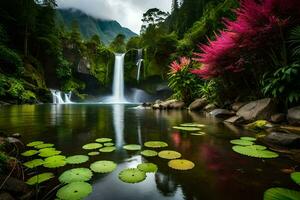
<point x="127" y="12"/>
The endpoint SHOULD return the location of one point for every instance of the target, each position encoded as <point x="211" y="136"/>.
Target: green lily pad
<point x="186" y="128"/>
<point x="281" y="194"/>
<point x="132" y="147"/>
<point x="241" y="142"/>
<point x="103" y="140"/>
<point x="34" y="163"/>
<point x="109" y="144"/>
<point x="107" y="149"/>
<point x="77" y="159"/>
<point x="32" y="144"/>
<point x="74" y="191"/>
<point x="254" y="152"/>
<point x="155" y="144"/>
<point x="37" y="179"/>
<point x="92" y="146"/>
<point x="198" y="134"/>
<point x="94" y="153"/>
<point x="49" y="153"/>
<point x="168" y="154"/>
<point x="55" y="161"/>
<point x="252" y="139"/>
<point x="29" y="153"/>
<point x="181" y="164"/>
<point x="42" y="146"/>
<point x="148" y="167"/>
<point x="193" y="125"/>
<point x="149" y="153"/>
<point x="259" y="147"/>
<point x="296" y="177"/>
<point x="47" y="149"/>
<point x="103" y="166"/>
<point x="132" y="175"/>
<point x="76" y="175"/>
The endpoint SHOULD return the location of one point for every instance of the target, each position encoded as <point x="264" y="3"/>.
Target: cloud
<point x="127" y="12"/>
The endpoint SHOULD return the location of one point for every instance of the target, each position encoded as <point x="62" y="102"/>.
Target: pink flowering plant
<point x="182" y="81"/>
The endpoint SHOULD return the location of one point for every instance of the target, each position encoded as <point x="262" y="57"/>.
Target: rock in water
<point x="290" y="140"/>
<point x="294" y="115"/>
<point x="256" y="110"/>
<point x="235" y="120"/>
<point x="179" y="105"/>
<point x="198" y="104"/>
<point x="221" y="113"/>
<point x="237" y="105"/>
<point x="278" y="118"/>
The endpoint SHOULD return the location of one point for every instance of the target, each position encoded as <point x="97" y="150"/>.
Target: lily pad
<point x="193" y="125"/>
<point x="107" y="149"/>
<point x="186" y="128"/>
<point x="32" y="144"/>
<point x="155" y="144"/>
<point x="55" y="161"/>
<point x="47" y="149"/>
<point x="92" y="146"/>
<point x="29" y="153"/>
<point x="74" y="191"/>
<point x="148" y="167"/>
<point x="149" y="153"/>
<point x="168" y="154"/>
<point x="77" y="159"/>
<point x="103" y="140"/>
<point x="132" y="175"/>
<point x="258" y="147"/>
<point x="49" y="153"/>
<point x="34" y="163"/>
<point x="254" y="152"/>
<point x="76" y="175"/>
<point x="198" y="134"/>
<point x="108" y="144"/>
<point x="248" y="138"/>
<point x="181" y="164"/>
<point x="103" y="166"/>
<point x="281" y="194"/>
<point x="132" y="147"/>
<point x="42" y="146"/>
<point x="296" y="177"/>
<point x="241" y="142"/>
<point x="37" y="179"/>
<point x="94" y="153"/>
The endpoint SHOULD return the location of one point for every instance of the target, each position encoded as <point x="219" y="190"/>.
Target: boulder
<point x="146" y="104"/>
<point x="165" y="105"/>
<point x="155" y="106"/>
<point x="177" y="105"/>
<point x="198" y="104"/>
<point x="221" y="113"/>
<point x="256" y="110"/>
<point x="293" y="115"/>
<point x="278" y="118"/>
<point x="235" y="120"/>
<point x="209" y="107"/>
<point x="237" y="105"/>
<point x="290" y="140"/>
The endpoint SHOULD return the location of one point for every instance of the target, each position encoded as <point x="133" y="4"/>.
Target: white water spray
<point x="139" y="64"/>
<point x="58" y="99"/>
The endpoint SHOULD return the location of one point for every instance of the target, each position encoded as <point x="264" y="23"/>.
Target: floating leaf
<point x="74" y="191"/>
<point x="149" y="153"/>
<point x="103" y="140"/>
<point x="47" y="149"/>
<point x="258" y="147"/>
<point x="132" y="147"/>
<point x="241" y="142"/>
<point x="94" y="153"/>
<point x="32" y="144"/>
<point x="34" y="163"/>
<point x="193" y="125"/>
<point x="248" y="138"/>
<point x="77" y="159"/>
<point x="147" y="167"/>
<point x="55" y="162"/>
<point x="184" y="128"/>
<point x="281" y="194"/>
<point x="107" y="149"/>
<point x="49" y="153"/>
<point x="109" y="144"/>
<point x="132" y="175"/>
<point x="198" y="134"/>
<point x="155" y="144"/>
<point x="29" y="153"/>
<point x="42" y="146"/>
<point x="76" y="175"/>
<point x="181" y="164"/>
<point x="168" y="154"/>
<point x="103" y="166"/>
<point x="296" y="177"/>
<point x="254" y="152"/>
<point x="92" y="146"/>
<point x="37" y="179"/>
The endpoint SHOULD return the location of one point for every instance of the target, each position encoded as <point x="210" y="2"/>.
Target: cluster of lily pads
<point x="247" y="147"/>
<point x="193" y="128"/>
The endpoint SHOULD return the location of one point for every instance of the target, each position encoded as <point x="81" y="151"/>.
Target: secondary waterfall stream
<point x="139" y="64"/>
<point x="57" y="97"/>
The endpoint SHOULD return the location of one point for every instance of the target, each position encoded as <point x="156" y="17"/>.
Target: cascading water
<point x="57" y="97"/>
<point x="139" y="64"/>
<point x="68" y="97"/>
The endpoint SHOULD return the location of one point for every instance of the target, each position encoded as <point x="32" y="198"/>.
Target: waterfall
<point x="57" y="97"/>
<point x="68" y="97"/>
<point x="139" y="64"/>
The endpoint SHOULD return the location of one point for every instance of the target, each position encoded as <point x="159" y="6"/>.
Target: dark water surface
<point x="219" y="174"/>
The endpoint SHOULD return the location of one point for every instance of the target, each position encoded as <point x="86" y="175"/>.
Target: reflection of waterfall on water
<point x="139" y="64"/>
<point x="118" y="117"/>
<point x="57" y="97"/>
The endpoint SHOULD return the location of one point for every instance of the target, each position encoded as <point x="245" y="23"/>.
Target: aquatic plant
<point x="181" y="164"/>
<point x="49" y="152"/>
<point x="55" y="161"/>
<point x="42" y="146"/>
<point x="132" y="175"/>
<point x="168" y="154"/>
<point x="74" y="190"/>
<point x="103" y="166"/>
<point x="132" y="147"/>
<point x="281" y="194"/>
<point x="252" y="139"/>
<point x="77" y="159"/>
<point x="254" y="151"/>
<point x="103" y="140"/>
<point x="149" y="153"/>
<point x="198" y="134"/>
<point x="183" y="128"/>
<point x="34" y="163"/>
<point x="37" y="179"/>
<point x="76" y="175"/>
<point x="93" y="153"/>
<point x="29" y="153"/>
<point x="107" y="149"/>
<point x="155" y="144"/>
<point x="92" y="146"/>
<point x="193" y="125"/>
<point x="295" y="176"/>
<point x="35" y="143"/>
<point x="147" y="167"/>
<point x="108" y="144"/>
<point x="241" y="142"/>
